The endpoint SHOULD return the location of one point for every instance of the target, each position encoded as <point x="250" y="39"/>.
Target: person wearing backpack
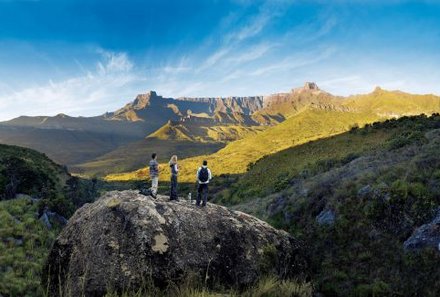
<point x="154" y="175"/>
<point x="174" y="171"/>
<point x="203" y="178"/>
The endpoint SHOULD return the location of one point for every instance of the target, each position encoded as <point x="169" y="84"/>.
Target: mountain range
<point x="246" y="128"/>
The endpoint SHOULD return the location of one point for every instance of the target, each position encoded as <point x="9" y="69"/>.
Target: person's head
<point x="173" y="159"/>
<point x="153" y="156"/>
<point x="205" y="163"/>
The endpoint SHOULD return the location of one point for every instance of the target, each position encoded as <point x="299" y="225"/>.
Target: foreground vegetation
<point x="269" y="286"/>
<point x="24" y="246"/>
<point x="32" y="190"/>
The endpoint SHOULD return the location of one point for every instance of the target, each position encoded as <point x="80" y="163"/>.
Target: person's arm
<point x="209" y="174"/>
<point x="197" y="176"/>
<point x="176" y="167"/>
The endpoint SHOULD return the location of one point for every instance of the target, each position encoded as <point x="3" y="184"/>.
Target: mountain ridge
<point x="79" y="140"/>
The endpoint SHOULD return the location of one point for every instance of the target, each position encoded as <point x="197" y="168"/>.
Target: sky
<point x="86" y="57"/>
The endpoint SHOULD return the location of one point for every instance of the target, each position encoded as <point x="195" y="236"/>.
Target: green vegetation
<point x="394" y="103"/>
<point x="380" y="182"/>
<point x="25" y="171"/>
<point x="273" y="173"/>
<point x="30" y="185"/>
<point x="267" y="287"/>
<point x="204" y="132"/>
<point x="24" y="246"/>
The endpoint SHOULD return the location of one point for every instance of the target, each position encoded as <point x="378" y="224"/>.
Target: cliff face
<point x="124" y="239"/>
<point x="299" y="98"/>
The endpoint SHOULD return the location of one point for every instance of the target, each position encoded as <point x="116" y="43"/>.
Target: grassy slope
<point x="204" y="132"/>
<point x="35" y="169"/>
<point x="396" y="165"/>
<point x="308" y="125"/>
<point x="24" y="245"/>
<point x="24" y="240"/>
<point x="394" y="102"/>
<point x="273" y="171"/>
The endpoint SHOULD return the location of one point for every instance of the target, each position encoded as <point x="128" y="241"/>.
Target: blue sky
<point x="85" y="57"/>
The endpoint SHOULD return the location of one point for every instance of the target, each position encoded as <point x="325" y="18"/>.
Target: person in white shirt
<point x="203" y="177"/>
<point x="154" y="175"/>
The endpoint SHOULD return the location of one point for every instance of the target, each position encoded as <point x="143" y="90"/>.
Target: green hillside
<point x="273" y="172"/>
<point x="235" y="158"/>
<point x="394" y="103"/>
<point x="311" y="114"/>
<point x="209" y="132"/>
<point x="377" y="184"/>
<point x="33" y="188"/>
<point x="25" y="171"/>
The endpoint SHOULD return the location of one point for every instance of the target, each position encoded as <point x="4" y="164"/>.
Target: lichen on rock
<point x="124" y="239"/>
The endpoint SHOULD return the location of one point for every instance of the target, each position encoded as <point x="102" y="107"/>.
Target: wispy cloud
<point x="114" y="63"/>
<point x="236" y="47"/>
<point x="214" y="58"/>
<point x="97" y="89"/>
<point x="295" y="61"/>
<point x="251" y="54"/>
<point x="251" y="28"/>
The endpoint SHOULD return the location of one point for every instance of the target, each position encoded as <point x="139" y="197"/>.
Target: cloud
<point x="295" y="61"/>
<point x="251" y="54"/>
<point x="94" y="91"/>
<point x="114" y="63"/>
<point x="214" y="58"/>
<point x="252" y="28"/>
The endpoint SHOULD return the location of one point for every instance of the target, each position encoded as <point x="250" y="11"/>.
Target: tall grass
<point x="266" y="287"/>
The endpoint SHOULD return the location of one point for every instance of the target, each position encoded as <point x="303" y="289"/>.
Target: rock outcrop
<point x="426" y="236"/>
<point x="125" y="239"/>
<point x="326" y="217"/>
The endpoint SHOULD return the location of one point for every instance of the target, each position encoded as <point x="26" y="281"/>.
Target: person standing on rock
<point x="154" y="175"/>
<point x="203" y="178"/>
<point x="174" y="171"/>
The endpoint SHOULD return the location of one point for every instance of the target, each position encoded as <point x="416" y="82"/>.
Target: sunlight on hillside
<point x="308" y="125"/>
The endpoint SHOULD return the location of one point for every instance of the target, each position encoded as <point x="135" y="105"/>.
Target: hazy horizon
<point x="84" y="58"/>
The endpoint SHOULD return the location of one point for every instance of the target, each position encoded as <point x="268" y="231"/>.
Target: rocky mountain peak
<point x="132" y="237"/>
<point x="143" y="100"/>
<point x="311" y="86"/>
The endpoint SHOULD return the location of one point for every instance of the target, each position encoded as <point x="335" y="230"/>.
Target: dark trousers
<point x="173" y="190"/>
<point x="202" y="193"/>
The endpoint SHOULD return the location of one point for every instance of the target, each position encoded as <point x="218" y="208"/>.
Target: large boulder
<point x="125" y="239"/>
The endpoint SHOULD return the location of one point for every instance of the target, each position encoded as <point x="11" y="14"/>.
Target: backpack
<point x="203" y="175"/>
